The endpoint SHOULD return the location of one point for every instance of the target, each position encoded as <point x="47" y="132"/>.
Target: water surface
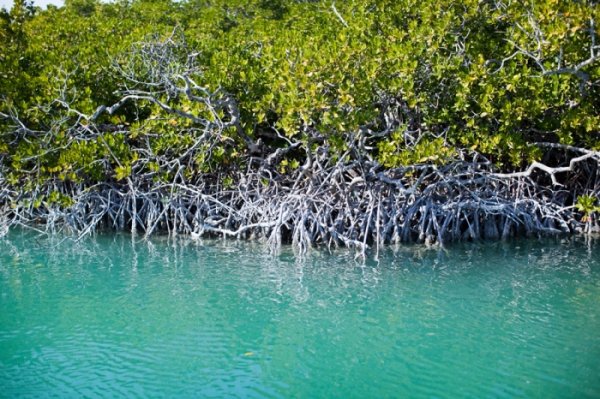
<point x="117" y="317"/>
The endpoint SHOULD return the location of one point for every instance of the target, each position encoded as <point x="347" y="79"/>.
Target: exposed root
<point x="461" y="201"/>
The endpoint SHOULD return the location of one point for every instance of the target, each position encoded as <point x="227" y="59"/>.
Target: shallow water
<point x="110" y="316"/>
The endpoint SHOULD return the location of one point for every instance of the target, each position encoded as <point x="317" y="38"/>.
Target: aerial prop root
<point x="327" y="207"/>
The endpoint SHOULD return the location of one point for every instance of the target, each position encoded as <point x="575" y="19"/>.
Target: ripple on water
<point x="213" y="319"/>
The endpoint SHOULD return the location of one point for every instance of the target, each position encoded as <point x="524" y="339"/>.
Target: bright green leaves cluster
<point x="587" y="205"/>
<point x="514" y="96"/>
<point x="302" y="71"/>
<point x="393" y="152"/>
<point x="13" y="36"/>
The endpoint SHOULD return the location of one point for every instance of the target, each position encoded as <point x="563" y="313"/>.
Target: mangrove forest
<point x="352" y="123"/>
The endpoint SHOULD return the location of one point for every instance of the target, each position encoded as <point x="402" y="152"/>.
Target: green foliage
<point x="587" y="205"/>
<point x="393" y="153"/>
<point x="450" y="67"/>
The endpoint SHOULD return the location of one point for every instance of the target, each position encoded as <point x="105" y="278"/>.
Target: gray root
<point x="328" y="206"/>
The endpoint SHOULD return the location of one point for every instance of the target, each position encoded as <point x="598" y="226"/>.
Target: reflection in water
<point x="174" y="317"/>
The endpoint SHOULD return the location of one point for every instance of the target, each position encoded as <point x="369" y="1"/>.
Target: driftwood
<point x="333" y="199"/>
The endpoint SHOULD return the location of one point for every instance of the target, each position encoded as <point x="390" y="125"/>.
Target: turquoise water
<point x="111" y="317"/>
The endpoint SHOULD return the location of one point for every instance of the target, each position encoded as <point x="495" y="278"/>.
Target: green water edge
<point x="113" y="316"/>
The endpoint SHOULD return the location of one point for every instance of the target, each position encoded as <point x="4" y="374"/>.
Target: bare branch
<point x="338" y="15"/>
